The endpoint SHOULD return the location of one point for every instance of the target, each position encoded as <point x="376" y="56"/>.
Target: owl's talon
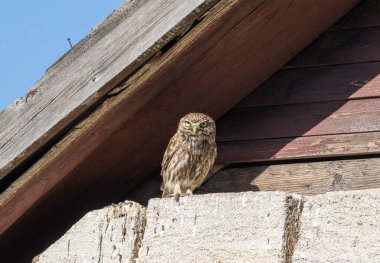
<point x="188" y="192"/>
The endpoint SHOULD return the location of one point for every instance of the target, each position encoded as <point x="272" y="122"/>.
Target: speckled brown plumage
<point x="189" y="156"/>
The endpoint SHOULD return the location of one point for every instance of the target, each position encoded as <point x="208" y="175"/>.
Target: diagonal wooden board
<point x="135" y="32"/>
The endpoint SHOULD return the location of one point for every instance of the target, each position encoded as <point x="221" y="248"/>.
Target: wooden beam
<point x="230" y="52"/>
<point x="311" y="119"/>
<point x="303" y="178"/>
<point x="299" y="148"/>
<point x="91" y="69"/>
<point x="331" y="83"/>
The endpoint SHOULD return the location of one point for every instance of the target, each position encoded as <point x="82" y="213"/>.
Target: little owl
<point x="189" y="156"/>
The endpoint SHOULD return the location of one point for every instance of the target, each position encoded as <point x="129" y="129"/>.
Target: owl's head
<point x="197" y="125"/>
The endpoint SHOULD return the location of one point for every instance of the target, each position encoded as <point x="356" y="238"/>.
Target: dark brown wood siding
<point x="322" y="108"/>
<point x="324" y="103"/>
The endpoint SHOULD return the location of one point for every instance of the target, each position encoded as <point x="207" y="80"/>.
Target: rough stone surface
<point x="112" y="234"/>
<point x="340" y="227"/>
<point x="233" y="227"/>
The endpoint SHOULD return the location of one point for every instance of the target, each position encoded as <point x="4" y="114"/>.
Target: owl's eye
<point x="203" y="124"/>
<point x="186" y="124"/>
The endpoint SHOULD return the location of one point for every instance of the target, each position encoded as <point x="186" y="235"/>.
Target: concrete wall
<point x="112" y="234"/>
<point x="340" y="227"/>
<point x="230" y="227"/>
<point x="235" y="227"/>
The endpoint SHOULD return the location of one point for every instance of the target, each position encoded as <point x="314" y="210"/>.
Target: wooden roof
<point x="97" y="123"/>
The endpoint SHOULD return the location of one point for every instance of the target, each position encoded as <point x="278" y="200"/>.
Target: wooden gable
<point x="114" y="138"/>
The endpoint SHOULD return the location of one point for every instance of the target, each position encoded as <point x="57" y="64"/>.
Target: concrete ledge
<point x="340" y="227"/>
<point x="233" y="227"/>
<point x="112" y="234"/>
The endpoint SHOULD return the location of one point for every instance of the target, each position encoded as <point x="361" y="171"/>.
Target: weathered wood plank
<point x="341" y="47"/>
<point x="329" y="83"/>
<point x="366" y="14"/>
<point x="89" y="71"/>
<point x="299" y="148"/>
<point x="303" y="178"/>
<point x="319" y="118"/>
<point x="216" y="57"/>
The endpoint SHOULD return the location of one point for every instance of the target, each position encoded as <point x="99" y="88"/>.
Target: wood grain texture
<point x="89" y="71"/>
<point x="341" y="47"/>
<point x="303" y="178"/>
<point x="217" y="57"/>
<point x="299" y="148"/>
<point x="366" y="14"/>
<point x="319" y="118"/>
<point x="329" y="83"/>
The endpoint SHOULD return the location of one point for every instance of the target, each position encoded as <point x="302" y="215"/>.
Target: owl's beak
<point x="195" y="130"/>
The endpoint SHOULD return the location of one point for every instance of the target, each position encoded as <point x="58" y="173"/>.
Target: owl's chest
<point x="195" y="148"/>
<point x="190" y="156"/>
<point x="188" y="163"/>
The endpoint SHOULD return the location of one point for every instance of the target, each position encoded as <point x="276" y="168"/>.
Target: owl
<point x="189" y="156"/>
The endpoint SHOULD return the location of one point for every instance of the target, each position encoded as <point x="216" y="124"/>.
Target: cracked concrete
<point x="233" y="227"/>
<point x="294" y="206"/>
<point x="340" y="227"/>
<point x="229" y="227"/>
<point x="112" y="234"/>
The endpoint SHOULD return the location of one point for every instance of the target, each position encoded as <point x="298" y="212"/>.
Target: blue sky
<point x="33" y="35"/>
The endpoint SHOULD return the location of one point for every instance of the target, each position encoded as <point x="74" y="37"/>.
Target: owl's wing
<point x="212" y="156"/>
<point x="206" y="165"/>
<point x="168" y="155"/>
